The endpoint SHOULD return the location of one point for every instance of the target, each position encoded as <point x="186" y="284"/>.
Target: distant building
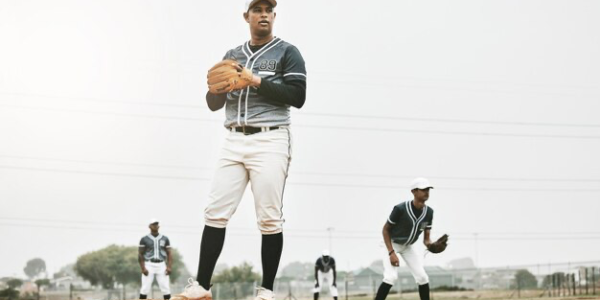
<point x="369" y="277"/>
<point x="461" y="263"/>
<point x="66" y="277"/>
<point x="489" y="278"/>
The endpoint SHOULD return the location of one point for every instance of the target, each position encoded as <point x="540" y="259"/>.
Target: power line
<point x="451" y="132"/>
<point x="440" y="120"/>
<point x="113" y="223"/>
<point x="476" y="81"/>
<point x="401" y="81"/>
<point x="112" y="230"/>
<point x="569" y="264"/>
<point x="420" y="131"/>
<point x="322" y="231"/>
<point x="362" y="84"/>
<point x="356" y="237"/>
<point x="318" y="114"/>
<point x="467" y="189"/>
<point x="110" y="113"/>
<point x="516" y="179"/>
<point x="197" y="234"/>
<point x="311" y="173"/>
<point x="107" y="162"/>
<point x="339" y="185"/>
<point x="106" y="173"/>
<point x="96" y="100"/>
<point x="494" y="233"/>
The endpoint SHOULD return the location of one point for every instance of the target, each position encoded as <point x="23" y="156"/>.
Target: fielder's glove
<point x="439" y="245"/>
<point x="228" y="75"/>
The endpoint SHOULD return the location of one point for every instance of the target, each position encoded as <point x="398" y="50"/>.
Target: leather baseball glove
<point x="228" y="75"/>
<point x="439" y="245"/>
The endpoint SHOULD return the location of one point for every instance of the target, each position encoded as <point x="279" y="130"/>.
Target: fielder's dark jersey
<point x="325" y="266"/>
<point x="155" y="247"/>
<point x="277" y="61"/>
<point x="408" y="222"/>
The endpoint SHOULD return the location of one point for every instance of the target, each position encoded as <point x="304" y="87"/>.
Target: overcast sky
<point x="103" y="126"/>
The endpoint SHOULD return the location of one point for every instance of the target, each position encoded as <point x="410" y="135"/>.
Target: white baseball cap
<point x="250" y="3"/>
<point x="152" y="221"/>
<point x="420" y="183"/>
<point x="326" y="252"/>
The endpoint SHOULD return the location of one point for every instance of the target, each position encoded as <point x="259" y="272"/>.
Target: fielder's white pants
<point x="413" y="260"/>
<point x="263" y="160"/>
<point x="155" y="270"/>
<point x="326" y="277"/>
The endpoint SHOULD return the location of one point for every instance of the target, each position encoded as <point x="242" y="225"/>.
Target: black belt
<point x="247" y="130"/>
<point x="156" y="260"/>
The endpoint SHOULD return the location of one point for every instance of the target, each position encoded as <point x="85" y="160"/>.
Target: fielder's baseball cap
<point x="153" y="221"/>
<point x="250" y="3"/>
<point x="420" y="183"/>
<point x="325" y="253"/>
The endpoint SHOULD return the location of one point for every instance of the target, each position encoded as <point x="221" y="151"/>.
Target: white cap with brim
<point x="420" y="183"/>
<point x="153" y="221"/>
<point x="325" y="252"/>
<point x="250" y="3"/>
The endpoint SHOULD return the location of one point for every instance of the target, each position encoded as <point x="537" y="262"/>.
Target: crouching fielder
<point x="402" y="229"/>
<point x="325" y="272"/>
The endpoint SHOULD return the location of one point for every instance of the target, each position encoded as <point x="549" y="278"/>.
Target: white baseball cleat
<point x="193" y="291"/>
<point x="264" y="294"/>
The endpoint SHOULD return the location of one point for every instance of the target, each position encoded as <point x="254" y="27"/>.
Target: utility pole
<point x="586" y="281"/>
<point x="594" y="280"/>
<point x="476" y="250"/>
<point x="330" y="230"/>
<point x="475" y="234"/>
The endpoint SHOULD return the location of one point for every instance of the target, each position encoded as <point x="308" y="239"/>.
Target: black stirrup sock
<point x="210" y="249"/>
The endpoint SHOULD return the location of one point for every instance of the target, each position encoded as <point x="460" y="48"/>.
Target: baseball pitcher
<point x="257" y="83"/>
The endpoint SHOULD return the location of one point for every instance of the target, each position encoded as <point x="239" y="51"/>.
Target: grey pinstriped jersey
<point x="155" y="247"/>
<point x="325" y="266"/>
<point x="277" y="61"/>
<point x="408" y="222"/>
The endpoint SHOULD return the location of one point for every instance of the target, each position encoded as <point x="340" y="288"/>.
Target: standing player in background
<point x="258" y="147"/>
<point x="402" y="229"/>
<point x="154" y="252"/>
<point x="325" y="272"/>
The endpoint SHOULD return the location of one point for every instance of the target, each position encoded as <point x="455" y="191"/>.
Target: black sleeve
<point x="292" y="90"/>
<point x="292" y="93"/>
<point x="430" y="221"/>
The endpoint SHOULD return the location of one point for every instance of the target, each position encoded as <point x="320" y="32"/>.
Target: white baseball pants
<point x="412" y="260"/>
<point x="263" y="160"/>
<point x="155" y="270"/>
<point x="326" y="277"/>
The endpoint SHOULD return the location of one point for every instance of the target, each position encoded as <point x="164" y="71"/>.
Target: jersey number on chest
<point x="267" y="65"/>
